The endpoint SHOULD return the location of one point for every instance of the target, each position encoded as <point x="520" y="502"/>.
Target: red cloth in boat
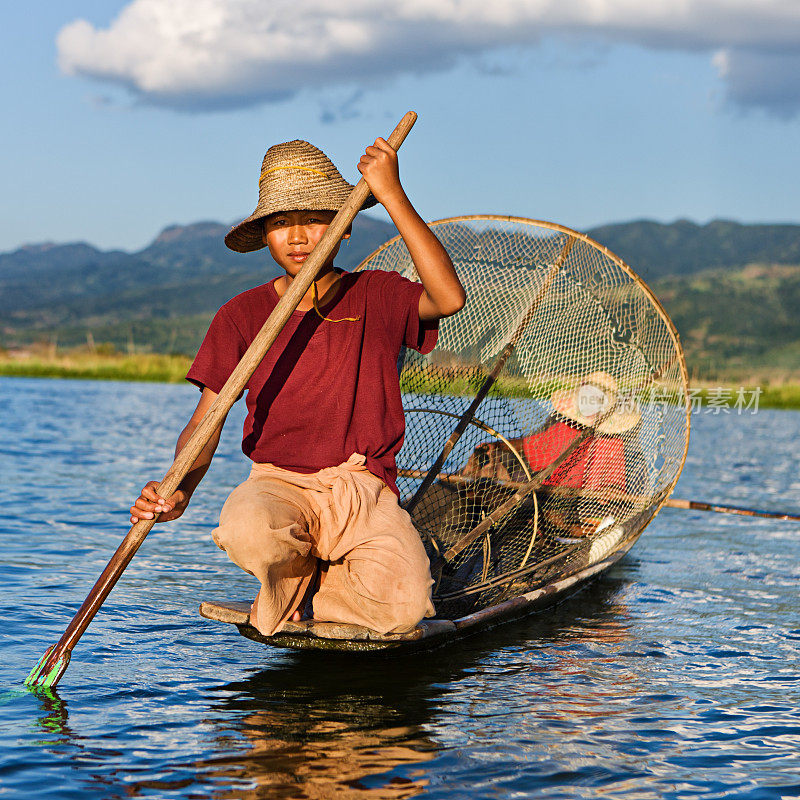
<point x="597" y="463"/>
<point x="325" y="390"/>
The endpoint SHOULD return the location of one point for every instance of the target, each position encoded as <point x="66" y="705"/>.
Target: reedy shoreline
<point x="171" y="368"/>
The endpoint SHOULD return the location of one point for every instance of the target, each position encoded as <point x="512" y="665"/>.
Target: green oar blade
<point x="46" y="673"/>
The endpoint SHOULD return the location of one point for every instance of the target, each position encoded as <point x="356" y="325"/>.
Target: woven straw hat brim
<point x="565" y="402"/>
<point x="295" y="176"/>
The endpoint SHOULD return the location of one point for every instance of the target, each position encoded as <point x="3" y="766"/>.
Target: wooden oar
<point x="54" y="662"/>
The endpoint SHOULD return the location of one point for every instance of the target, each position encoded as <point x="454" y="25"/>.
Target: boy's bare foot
<point x="301" y="614"/>
<point x="304" y="610"/>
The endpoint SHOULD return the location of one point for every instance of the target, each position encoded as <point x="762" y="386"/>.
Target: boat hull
<point x="427" y="635"/>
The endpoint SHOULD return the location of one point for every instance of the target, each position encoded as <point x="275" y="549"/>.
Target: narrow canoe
<point x="431" y="633"/>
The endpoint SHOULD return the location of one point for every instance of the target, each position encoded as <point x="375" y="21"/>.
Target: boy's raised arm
<point x="443" y="293"/>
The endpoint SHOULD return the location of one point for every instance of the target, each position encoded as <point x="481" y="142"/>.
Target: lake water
<point x="675" y="675"/>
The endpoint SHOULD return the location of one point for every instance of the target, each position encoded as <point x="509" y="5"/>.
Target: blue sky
<point x="579" y="113"/>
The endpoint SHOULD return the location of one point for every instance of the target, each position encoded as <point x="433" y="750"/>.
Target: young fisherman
<point x="320" y="509"/>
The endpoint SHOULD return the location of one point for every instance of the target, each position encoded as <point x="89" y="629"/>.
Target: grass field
<point x="773" y="391"/>
<point x="81" y="363"/>
<point x="725" y="395"/>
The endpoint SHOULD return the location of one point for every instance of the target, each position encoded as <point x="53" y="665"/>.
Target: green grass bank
<point x="148" y="367"/>
<point x="723" y="394"/>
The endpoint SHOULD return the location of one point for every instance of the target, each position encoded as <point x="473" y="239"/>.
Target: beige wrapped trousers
<point x="341" y="526"/>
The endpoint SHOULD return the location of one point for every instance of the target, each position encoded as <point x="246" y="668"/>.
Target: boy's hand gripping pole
<point x="54" y="662"/>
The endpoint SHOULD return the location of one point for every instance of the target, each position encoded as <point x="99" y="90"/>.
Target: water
<point x="673" y="676"/>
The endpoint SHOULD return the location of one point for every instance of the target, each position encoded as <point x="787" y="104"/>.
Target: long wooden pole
<point x="699" y="505"/>
<point x="54" y="662"/>
<point x="505" y="354"/>
<point x="610" y="495"/>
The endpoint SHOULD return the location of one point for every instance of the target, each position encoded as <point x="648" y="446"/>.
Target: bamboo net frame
<point x="503" y="395"/>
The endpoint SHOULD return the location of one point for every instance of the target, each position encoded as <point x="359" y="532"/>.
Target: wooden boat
<point x="556" y="325"/>
<point x="430" y="633"/>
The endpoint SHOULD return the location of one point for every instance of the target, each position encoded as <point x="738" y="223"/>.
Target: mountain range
<point x="161" y="297"/>
<point x="732" y="289"/>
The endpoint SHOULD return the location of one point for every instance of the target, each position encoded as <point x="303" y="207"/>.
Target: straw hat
<point x="295" y="176"/>
<point x="593" y="395"/>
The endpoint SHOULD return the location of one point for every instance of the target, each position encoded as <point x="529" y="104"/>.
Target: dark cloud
<point x="770" y="81"/>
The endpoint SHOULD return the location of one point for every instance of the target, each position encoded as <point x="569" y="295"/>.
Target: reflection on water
<point x="337" y="727"/>
<point x="306" y="733"/>
<point x="673" y="676"/>
<point x="54" y="716"/>
<point x="322" y="725"/>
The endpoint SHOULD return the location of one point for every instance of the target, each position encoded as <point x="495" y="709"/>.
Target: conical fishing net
<point x="551" y="420"/>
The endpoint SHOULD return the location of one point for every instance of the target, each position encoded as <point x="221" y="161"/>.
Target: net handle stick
<point x="611" y="496"/>
<point x="505" y="354"/>
<point x="534" y="483"/>
<point x="212" y="420"/>
<point x="699" y="505"/>
<point x="614" y="496"/>
<point x="530" y="486"/>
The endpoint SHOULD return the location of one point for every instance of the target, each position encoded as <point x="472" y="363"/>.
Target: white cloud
<point x="205" y="54"/>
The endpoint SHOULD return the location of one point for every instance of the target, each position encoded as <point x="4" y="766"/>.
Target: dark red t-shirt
<point x="325" y="390"/>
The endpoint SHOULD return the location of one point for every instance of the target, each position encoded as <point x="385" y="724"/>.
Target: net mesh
<point x="578" y="357"/>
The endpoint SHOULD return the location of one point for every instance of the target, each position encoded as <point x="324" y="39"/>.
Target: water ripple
<point x="673" y="676"/>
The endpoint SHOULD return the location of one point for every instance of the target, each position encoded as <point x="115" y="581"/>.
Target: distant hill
<point x="733" y="290"/>
<point x="735" y="320"/>
<point x="186" y="272"/>
<point x="654" y="249"/>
